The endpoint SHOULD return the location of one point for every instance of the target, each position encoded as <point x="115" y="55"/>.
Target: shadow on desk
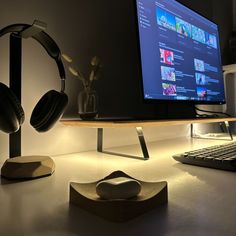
<point x="86" y="223"/>
<point x="200" y="171"/>
<point x="221" y="180"/>
<point x="4" y="181"/>
<point x="81" y="222"/>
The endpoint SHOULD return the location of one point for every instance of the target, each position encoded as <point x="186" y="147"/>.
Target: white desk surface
<point x="202" y="201"/>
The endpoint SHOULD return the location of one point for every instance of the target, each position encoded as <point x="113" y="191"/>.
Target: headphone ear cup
<point x="12" y="114"/>
<point x="48" y="110"/>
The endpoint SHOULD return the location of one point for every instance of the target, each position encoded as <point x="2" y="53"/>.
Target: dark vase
<point x="87" y="104"/>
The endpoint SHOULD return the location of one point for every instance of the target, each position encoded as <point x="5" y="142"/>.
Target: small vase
<point x="87" y="104"/>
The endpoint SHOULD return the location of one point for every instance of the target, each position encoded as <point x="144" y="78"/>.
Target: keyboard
<point x="219" y="157"/>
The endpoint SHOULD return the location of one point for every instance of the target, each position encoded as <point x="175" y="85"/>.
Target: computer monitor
<point x="179" y="54"/>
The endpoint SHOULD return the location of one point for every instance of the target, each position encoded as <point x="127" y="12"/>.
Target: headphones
<point x="50" y="107"/>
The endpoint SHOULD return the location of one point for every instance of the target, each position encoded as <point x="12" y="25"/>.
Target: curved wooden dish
<point x="152" y="194"/>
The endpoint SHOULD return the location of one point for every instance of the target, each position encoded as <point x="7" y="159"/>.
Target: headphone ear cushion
<point x="12" y="114"/>
<point x="48" y="110"/>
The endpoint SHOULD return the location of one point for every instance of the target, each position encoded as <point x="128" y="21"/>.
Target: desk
<point x="138" y="125"/>
<point x="201" y="200"/>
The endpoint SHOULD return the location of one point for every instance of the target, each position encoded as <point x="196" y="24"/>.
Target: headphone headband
<point x="44" y="39"/>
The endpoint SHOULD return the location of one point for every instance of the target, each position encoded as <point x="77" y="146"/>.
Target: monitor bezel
<point x="140" y="72"/>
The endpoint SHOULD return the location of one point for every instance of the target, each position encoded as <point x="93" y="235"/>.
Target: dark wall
<point x="203" y="7"/>
<point x="221" y="13"/>
<point x="223" y="16"/>
<point x="108" y="30"/>
<point x="104" y="28"/>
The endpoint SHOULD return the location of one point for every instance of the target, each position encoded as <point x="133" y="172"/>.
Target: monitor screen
<point x="179" y="52"/>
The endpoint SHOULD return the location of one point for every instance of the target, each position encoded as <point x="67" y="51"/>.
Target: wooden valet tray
<point x="152" y="194"/>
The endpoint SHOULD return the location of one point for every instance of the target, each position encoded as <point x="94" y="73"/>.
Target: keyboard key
<point x="209" y="158"/>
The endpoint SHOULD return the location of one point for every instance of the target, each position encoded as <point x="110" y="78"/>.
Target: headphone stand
<point x="23" y="167"/>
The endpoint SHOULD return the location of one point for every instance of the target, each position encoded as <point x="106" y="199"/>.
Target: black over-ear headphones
<point x="50" y="107"/>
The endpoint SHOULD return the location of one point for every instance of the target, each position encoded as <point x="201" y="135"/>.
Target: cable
<point x="213" y="112"/>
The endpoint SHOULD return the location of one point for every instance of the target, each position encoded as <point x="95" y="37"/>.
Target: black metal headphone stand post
<point x="15" y="86"/>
